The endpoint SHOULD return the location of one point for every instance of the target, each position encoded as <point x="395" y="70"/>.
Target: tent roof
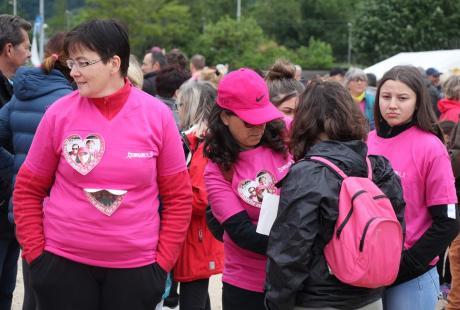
<point x="444" y="61"/>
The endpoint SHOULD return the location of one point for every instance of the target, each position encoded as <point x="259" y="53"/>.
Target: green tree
<point x="228" y="41"/>
<point x="292" y="22"/>
<point x="244" y="44"/>
<point x="318" y="55"/>
<point x="384" y="28"/>
<point x="160" y="22"/>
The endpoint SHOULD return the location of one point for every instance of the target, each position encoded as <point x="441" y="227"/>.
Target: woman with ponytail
<point x="35" y="89"/>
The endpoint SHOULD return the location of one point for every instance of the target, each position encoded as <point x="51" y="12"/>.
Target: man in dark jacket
<point x="153" y="62"/>
<point x="14" y="52"/>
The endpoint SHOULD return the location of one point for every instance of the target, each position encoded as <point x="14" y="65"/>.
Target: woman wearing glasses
<point x="356" y="83"/>
<point x="91" y="230"/>
<point x="245" y="143"/>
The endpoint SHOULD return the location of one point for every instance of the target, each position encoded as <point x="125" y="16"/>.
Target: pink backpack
<point x="367" y="244"/>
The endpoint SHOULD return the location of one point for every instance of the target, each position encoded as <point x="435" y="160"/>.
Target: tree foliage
<point x="161" y="22"/>
<point x="293" y="22"/>
<point x="244" y="43"/>
<point x="387" y="27"/>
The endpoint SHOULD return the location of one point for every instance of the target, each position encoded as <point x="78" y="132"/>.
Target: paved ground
<point x="215" y="292"/>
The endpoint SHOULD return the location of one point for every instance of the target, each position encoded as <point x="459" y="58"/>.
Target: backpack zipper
<point x="361" y="243"/>
<point x="347" y="218"/>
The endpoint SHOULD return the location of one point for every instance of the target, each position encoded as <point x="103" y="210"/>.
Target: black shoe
<point x="171" y="302"/>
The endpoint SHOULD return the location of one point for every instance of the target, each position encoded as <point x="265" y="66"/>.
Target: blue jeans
<point x="420" y="293"/>
<point x="9" y="254"/>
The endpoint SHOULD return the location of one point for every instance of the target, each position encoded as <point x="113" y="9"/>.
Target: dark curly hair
<point x="221" y="148"/>
<point x="325" y="108"/>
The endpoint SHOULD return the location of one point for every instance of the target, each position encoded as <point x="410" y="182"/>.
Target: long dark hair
<point x="220" y="146"/>
<point x="424" y="116"/>
<point x="325" y="108"/>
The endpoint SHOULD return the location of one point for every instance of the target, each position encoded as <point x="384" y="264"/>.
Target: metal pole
<point x="238" y="10"/>
<point x="15" y="8"/>
<point x="350" y="25"/>
<point x="42" y="30"/>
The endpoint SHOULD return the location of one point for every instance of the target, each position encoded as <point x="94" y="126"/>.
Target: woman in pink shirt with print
<point x="245" y="144"/>
<point x="407" y="134"/>
<point x="91" y="228"/>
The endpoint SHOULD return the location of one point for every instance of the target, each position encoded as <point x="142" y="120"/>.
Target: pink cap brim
<point x="259" y="116"/>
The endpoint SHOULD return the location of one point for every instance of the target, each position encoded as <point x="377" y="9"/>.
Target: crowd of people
<point x="112" y="171"/>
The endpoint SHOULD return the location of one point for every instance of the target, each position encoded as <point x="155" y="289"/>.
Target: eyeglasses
<point x="246" y="124"/>
<point x="81" y="63"/>
<point x="358" y="79"/>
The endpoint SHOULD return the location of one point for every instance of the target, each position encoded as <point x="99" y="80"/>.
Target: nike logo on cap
<point x="259" y="98"/>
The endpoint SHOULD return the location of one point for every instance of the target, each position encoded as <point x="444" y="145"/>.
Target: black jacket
<point x="6" y="166"/>
<point x="150" y="83"/>
<point x="297" y="273"/>
<point x="6" y="90"/>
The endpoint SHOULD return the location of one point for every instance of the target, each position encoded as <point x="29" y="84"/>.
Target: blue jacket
<point x="34" y="92"/>
<point x="369" y="108"/>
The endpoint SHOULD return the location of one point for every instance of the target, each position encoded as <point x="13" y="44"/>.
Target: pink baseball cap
<point x="245" y="93"/>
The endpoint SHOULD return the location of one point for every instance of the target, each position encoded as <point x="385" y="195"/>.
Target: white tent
<point x="445" y="61"/>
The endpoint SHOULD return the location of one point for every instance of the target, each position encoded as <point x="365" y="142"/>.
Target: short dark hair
<point x="325" y="107"/>
<point x="198" y="61"/>
<point x="424" y="116"/>
<point x="10" y="30"/>
<point x="105" y="37"/>
<point x="169" y="79"/>
<point x="221" y="148"/>
<point x="371" y="79"/>
<point x="160" y="58"/>
<point x="337" y="71"/>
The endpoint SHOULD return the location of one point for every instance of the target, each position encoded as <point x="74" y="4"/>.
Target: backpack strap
<point x="329" y="164"/>
<point x="339" y="171"/>
<point x="369" y="168"/>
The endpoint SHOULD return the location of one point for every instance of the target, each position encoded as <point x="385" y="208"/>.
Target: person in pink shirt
<point x="408" y="136"/>
<point x="245" y="144"/>
<point x="91" y="228"/>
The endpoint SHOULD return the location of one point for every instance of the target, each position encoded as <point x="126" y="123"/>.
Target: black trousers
<point x="29" y="296"/>
<point x="194" y="295"/>
<point x="61" y="284"/>
<point x="235" y="298"/>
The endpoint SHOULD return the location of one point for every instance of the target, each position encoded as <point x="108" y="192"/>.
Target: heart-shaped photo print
<point x="252" y="191"/>
<point x="105" y="200"/>
<point x="83" y="154"/>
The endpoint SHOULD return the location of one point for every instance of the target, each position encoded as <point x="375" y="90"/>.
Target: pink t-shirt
<point x="255" y="173"/>
<point x="421" y="161"/>
<point x="103" y="206"/>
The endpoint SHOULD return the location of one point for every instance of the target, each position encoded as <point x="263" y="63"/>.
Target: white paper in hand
<point x="268" y="213"/>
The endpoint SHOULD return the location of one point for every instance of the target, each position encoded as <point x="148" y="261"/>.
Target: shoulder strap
<point x="339" y="171"/>
<point x="329" y="164"/>
<point x="369" y="168"/>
